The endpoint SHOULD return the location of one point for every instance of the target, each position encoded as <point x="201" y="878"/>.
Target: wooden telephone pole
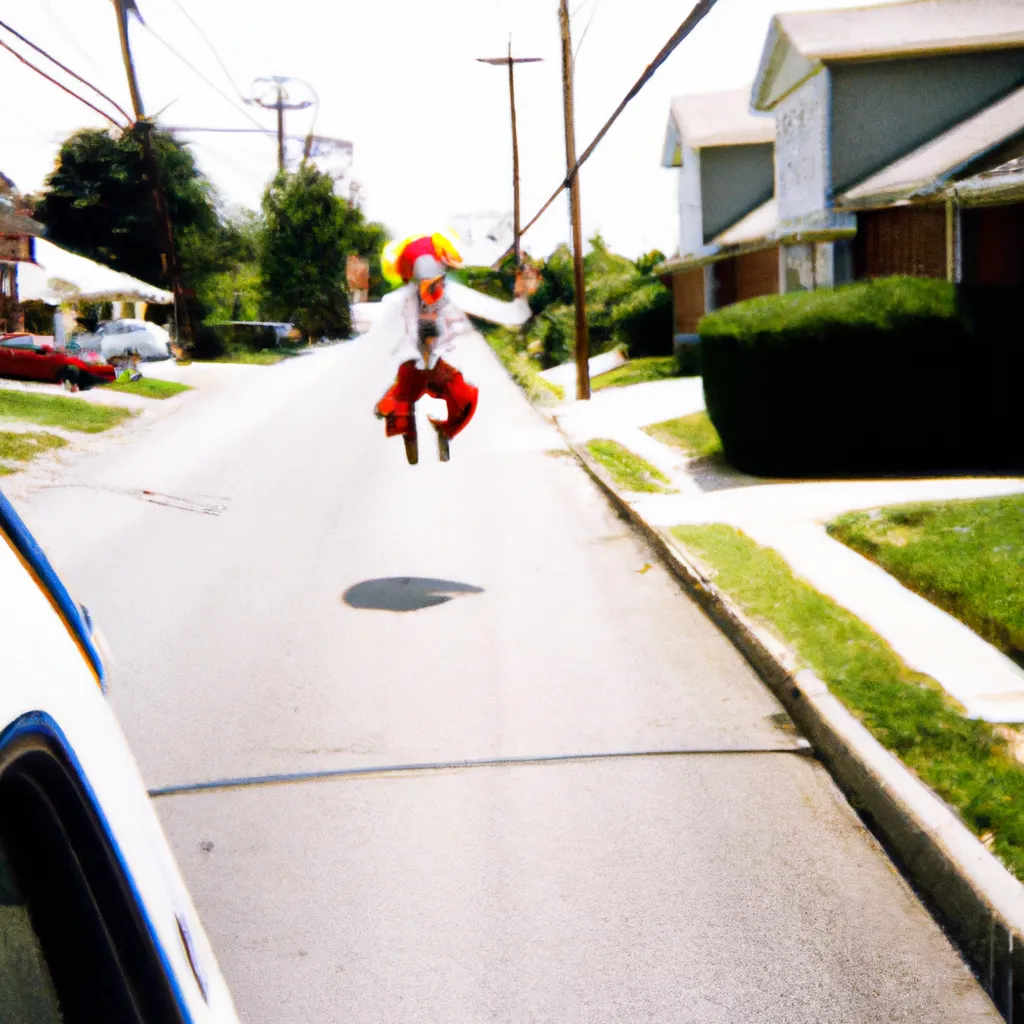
<point x="165" y="230"/>
<point x="511" y="62"/>
<point x="280" y="105"/>
<point x="573" y="180"/>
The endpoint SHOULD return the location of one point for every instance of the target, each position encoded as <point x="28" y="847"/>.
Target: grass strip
<point x="636" y="371"/>
<point x="629" y="471"/>
<point x="56" y="411"/>
<point x="968" y="763"/>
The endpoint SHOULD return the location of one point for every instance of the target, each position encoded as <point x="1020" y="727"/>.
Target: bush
<point x="644" y="320"/>
<point x="214" y="340"/>
<point x="901" y="375"/>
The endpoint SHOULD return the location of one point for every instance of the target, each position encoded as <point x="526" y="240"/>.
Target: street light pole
<point x="573" y="180"/>
<point x="165" y="230"/>
<point x="511" y="62"/>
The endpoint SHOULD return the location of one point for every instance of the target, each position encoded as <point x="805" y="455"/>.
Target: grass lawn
<point x="966" y="762"/>
<point x="521" y="368"/>
<point x="23" y="447"/>
<point x="56" y="411"/>
<point x="148" y="387"/>
<point x="629" y="471"/>
<point x="692" y="434"/>
<point x="268" y="357"/>
<point x="636" y="371"/>
<point x="964" y="556"/>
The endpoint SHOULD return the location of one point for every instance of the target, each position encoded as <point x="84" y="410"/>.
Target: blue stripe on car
<point x="75" y="617"/>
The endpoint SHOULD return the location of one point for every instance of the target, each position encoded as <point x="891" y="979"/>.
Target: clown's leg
<point x="398" y="407"/>
<point x="460" y="396"/>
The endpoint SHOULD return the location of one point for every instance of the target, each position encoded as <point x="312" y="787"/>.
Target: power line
<point x="206" y="39"/>
<point x="60" y="85"/>
<point x="590" y="22"/>
<point x="53" y="60"/>
<point x="67" y="35"/>
<point x="693" y="19"/>
<point x="220" y="92"/>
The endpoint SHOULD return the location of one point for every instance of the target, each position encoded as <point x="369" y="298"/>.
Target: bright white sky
<point x="430" y="125"/>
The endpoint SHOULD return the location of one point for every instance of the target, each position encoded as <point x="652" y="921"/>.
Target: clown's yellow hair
<point x="445" y="245"/>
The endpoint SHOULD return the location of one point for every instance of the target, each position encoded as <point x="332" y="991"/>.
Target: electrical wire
<point x="59" y="85"/>
<point x="693" y="19"/>
<point x="220" y="92"/>
<point x="68" y="36"/>
<point x="53" y="60"/>
<point x="212" y="48"/>
<point x="585" y="31"/>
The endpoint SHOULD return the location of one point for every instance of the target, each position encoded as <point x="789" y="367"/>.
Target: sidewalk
<point x="790" y="517"/>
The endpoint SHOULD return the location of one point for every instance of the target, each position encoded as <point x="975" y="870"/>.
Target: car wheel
<point x="70" y="380"/>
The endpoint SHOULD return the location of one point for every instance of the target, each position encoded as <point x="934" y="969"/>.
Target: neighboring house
<point x="62" y="279"/>
<point x="18" y="232"/>
<point x="868" y="100"/>
<point x="726" y="181"/>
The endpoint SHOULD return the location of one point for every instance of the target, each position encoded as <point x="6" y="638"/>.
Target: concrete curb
<point x="978" y="902"/>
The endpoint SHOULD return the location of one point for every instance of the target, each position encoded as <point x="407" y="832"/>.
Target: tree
<point x="99" y="203"/>
<point x="310" y="233"/>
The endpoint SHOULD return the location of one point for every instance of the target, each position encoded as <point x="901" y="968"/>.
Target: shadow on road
<point x="404" y="593"/>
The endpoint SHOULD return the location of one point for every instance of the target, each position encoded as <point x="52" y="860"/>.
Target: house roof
<point x="929" y="167"/>
<point x="799" y="44"/>
<point x="756" y="226"/>
<point x="703" y="120"/>
<point x="750" y="233"/>
<point x="14" y="223"/>
<point x="59" y="275"/>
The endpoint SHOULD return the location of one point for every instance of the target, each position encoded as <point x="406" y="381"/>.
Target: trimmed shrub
<point x="892" y="376"/>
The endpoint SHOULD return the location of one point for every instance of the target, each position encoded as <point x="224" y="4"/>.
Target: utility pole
<point x="573" y="180"/>
<point x="511" y="62"/>
<point x="165" y="230"/>
<point x="280" y="104"/>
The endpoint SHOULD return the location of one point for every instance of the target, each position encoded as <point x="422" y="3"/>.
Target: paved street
<point x="306" y="602"/>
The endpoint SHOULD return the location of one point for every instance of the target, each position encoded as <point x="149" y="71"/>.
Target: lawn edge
<point x="977" y="900"/>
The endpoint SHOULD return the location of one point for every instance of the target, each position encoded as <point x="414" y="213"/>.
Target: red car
<point x="27" y="357"/>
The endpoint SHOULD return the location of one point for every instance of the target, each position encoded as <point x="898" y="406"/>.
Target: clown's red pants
<point x="443" y="381"/>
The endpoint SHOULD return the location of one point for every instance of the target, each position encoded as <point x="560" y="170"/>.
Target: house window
<point x="71" y="930"/>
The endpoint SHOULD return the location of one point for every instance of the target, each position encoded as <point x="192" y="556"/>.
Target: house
<point x="18" y="232"/>
<point x="61" y="279"/>
<point x="724" y="156"/>
<point x="870" y="102"/>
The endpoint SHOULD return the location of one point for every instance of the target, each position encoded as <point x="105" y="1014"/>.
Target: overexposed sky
<point x="398" y="78"/>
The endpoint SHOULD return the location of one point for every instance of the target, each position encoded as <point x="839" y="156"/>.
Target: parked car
<point x="28" y="357"/>
<point x="115" y="338"/>
<point x="97" y="924"/>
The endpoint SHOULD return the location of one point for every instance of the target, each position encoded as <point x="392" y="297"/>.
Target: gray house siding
<point x="734" y="180"/>
<point x="882" y="110"/>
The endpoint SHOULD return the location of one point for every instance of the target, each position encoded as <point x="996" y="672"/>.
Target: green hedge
<point x="215" y="339"/>
<point x="900" y="375"/>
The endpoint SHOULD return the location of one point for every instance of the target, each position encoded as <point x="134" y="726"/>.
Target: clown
<point x="425" y="260"/>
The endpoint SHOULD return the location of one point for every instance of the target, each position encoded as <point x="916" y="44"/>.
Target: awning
<point x="60" y="276"/>
<point x="1003" y="184"/>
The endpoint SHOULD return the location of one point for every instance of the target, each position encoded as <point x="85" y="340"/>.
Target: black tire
<point x="71" y="379"/>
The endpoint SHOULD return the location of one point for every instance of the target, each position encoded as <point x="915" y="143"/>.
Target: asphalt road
<point x="306" y="602"/>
